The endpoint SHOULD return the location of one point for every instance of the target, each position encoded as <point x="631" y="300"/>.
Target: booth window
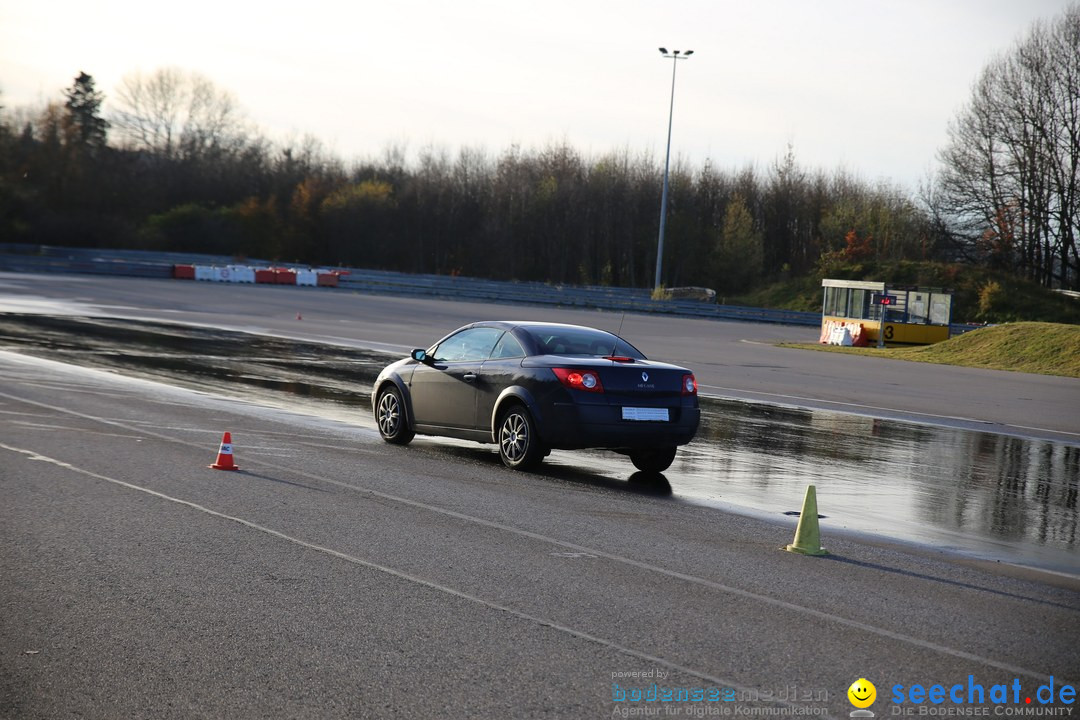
<point x="836" y="301"/>
<point x="940" y="308"/>
<point x="857" y="304"/>
<point x="918" y="307"/>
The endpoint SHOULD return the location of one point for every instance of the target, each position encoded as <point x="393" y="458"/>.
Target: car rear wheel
<point x="390" y="417"/>
<point x="653" y="461"/>
<point x="519" y="446"/>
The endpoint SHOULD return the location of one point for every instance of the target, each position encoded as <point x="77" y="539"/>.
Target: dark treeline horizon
<point x="176" y="167"/>
<point x="549" y="213"/>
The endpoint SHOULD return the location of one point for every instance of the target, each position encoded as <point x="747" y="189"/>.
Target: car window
<point x="581" y="341"/>
<point x="507" y="347"/>
<point x="474" y="344"/>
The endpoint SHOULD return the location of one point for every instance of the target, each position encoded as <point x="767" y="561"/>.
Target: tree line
<point x="176" y="166"/>
<point x="1009" y="190"/>
<point x="183" y="172"/>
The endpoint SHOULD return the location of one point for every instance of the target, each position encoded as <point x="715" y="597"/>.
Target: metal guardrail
<point x="142" y="263"/>
<point x="136" y="256"/>
<point x="606" y="298"/>
<point x="38" y="264"/>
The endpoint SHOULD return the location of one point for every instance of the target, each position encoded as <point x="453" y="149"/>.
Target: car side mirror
<point x="419" y="355"/>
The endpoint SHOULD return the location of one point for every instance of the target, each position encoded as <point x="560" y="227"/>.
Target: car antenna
<point x="615" y="345"/>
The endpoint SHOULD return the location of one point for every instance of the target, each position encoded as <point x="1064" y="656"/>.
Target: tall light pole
<point x="675" y="56"/>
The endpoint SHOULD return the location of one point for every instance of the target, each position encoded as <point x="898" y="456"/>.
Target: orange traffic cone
<point x="224" y="456"/>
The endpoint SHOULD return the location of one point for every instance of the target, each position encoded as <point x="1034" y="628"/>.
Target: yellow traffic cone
<point x="807" y="535"/>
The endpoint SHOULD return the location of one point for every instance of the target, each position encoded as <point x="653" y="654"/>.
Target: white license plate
<point x="646" y="414"/>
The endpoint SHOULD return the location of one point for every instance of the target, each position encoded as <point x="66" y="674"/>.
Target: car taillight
<point x="689" y="385"/>
<point x="579" y="379"/>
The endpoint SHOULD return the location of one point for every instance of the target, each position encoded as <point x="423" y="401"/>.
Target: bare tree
<point x="176" y="114"/>
<point x="1009" y="185"/>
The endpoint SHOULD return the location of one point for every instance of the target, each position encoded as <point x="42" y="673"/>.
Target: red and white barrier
<point x="839" y="332"/>
<point x="248" y="274"/>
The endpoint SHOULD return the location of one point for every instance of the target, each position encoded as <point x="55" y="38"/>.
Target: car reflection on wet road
<point x="993" y="496"/>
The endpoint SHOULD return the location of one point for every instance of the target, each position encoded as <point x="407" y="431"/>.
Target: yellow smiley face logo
<point x="862" y="693"/>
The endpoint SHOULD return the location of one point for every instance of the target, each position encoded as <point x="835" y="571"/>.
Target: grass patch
<point x="1031" y="347"/>
<point x="980" y="295"/>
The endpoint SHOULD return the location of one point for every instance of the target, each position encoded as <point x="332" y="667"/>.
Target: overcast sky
<point x="868" y="85"/>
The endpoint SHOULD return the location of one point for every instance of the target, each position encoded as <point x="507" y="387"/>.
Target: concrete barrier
<point x="284" y="276"/>
<point x="241" y="274"/>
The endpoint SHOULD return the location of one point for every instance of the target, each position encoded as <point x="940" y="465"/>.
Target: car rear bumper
<point x="570" y="426"/>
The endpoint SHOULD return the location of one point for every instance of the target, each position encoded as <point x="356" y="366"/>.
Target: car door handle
<point x="469" y="377"/>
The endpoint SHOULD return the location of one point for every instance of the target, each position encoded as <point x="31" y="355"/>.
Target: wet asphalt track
<point x="730" y="359"/>
<point x="999" y="497"/>
<point x="335" y="576"/>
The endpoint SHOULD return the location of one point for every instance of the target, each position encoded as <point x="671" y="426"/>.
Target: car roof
<point x="507" y="324"/>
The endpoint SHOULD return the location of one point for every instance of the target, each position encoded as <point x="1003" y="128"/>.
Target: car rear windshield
<point x="556" y="340"/>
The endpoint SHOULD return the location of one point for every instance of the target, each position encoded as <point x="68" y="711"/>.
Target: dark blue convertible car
<point x="533" y="387"/>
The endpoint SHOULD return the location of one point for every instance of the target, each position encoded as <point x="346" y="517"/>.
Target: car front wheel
<point x="653" y="461"/>
<point x="390" y="417"/>
<point x="519" y="446"/>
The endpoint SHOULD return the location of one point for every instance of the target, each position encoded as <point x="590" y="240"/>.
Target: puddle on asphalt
<point x="992" y="496"/>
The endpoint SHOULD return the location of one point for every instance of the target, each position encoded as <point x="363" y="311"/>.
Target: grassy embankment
<point x="1032" y="347"/>
<point x="1043" y="334"/>
<point x="979" y="295"/>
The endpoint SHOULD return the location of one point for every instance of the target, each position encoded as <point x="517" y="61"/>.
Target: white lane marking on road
<point x="76" y="389"/>
<point x="739" y="592"/>
<point x="566" y="629"/>
<point x="353" y="341"/>
<point x="25" y="414"/>
<point x="1038" y="429"/>
<point x="343" y="448"/>
<point x="740" y="393"/>
<point x="845" y="404"/>
<point x="45" y="426"/>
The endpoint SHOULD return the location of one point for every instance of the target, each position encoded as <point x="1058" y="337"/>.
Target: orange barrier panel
<point x="265" y="276"/>
<point x="284" y="276"/>
<point x="858" y="332"/>
<point x="184" y="272"/>
<point x="327" y="280"/>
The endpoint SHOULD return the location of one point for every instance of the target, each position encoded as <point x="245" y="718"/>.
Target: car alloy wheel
<point x="390" y="417"/>
<point x="519" y="447"/>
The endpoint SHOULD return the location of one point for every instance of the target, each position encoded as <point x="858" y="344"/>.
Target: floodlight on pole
<point x="674" y="55"/>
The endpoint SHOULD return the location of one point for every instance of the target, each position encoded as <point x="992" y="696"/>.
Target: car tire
<point x="653" y="461"/>
<point x="520" y="447"/>
<point x="390" y="417"/>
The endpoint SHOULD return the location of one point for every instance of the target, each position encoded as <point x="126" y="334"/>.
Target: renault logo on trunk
<point x="644" y="377"/>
